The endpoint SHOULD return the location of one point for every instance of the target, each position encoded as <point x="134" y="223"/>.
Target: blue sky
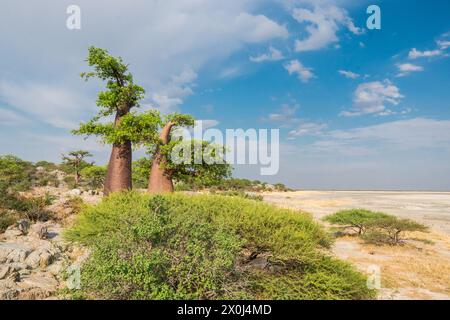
<point x="356" y="108"/>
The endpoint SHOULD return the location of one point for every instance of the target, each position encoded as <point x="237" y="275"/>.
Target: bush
<point x="390" y="229"/>
<point x="70" y="182"/>
<point x="15" y="174"/>
<point x="94" y="176"/>
<point x="202" y="247"/>
<point x="356" y="219"/>
<point x="241" y="194"/>
<point x="375" y="227"/>
<point x="30" y="208"/>
<point x="6" y="219"/>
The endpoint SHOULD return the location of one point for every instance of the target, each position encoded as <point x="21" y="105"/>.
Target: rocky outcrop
<point x="33" y="259"/>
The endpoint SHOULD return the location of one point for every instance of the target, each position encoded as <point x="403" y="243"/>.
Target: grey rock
<point x="9" y="294"/>
<point x="4" y="271"/>
<point x="13" y="252"/>
<point x="23" y="226"/>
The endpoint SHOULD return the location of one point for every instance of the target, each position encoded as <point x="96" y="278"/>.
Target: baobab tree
<point x="154" y="132"/>
<point x="75" y="161"/>
<point x="120" y="96"/>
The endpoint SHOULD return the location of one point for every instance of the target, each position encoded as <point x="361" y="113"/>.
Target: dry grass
<point x="421" y="265"/>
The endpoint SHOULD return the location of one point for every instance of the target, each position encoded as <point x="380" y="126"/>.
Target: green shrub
<point x="356" y="219"/>
<point x="375" y="227"/>
<point x="15" y="174"/>
<point x="202" y="247"/>
<point x="30" y="208"/>
<point x="6" y="219"/>
<point x="70" y="181"/>
<point x="241" y="194"/>
<point x="94" y="176"/>
<point x="391" y="228"/>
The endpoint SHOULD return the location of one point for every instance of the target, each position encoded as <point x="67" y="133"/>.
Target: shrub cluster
<point x="375" y="227"/>
<point x="207" y="247"/>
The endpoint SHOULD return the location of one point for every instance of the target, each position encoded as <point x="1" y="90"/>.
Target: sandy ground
<point x="419" y="269"/>
<point x="430" y="208"/>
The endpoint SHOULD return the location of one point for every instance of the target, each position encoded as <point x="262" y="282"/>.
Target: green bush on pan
<point x="207" y="247"/>
<point x="356" y="219"/>
<point x="375" y="227"/>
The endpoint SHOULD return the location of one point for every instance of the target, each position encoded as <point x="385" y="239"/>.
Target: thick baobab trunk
<point x="160" y="180"/>
<point x="118" y="177"/>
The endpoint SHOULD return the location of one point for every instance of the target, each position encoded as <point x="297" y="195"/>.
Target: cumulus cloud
<point x="415" y="54"/>
<point x="407" y="68"/>
<point x="273" y="55"/>
<point x="9" y="117"/>
<point x="285" y="114"/>
<point x="349" y="74"/>
<point x="296" y="67"/>
<point x="50" y="104"/>
<point x="373" y="98"/>
<point x="443" y="44"/>
<point x="165" y="42"/>
<point x="308" y="129"/>
<point x="416" y="133"/>
<point x="322" y="25"/>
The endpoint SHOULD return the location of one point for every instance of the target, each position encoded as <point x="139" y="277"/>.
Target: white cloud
<point x="372" y="98"/>
<point x="53" y="105"/>
<point x="323" y="23"/>
<point x="171" y="96"/>
<point x="296" y="67"/>
<point x="9" y="117"/>
<point x="308" y="129"/>
<point x="417" y="133"/>
<point x="285" y="114"/>
<point x="273" y="55"/>
<point x="443" y="44"/>
<point x="160" y="39"/>
<point x="349" y="74"/>
<point x="415" y="54"/>
<point x="406" y="68"/>
<point x="230" y="72"/>
<point x="208" y="123"/>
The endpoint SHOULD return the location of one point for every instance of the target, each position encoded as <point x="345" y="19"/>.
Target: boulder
<point x="41" y="257"/>
<point x="23" y="226"/>
<point x="13" y="252"/>
<point x="4" y="271"/>
<point x="75" y="192"/>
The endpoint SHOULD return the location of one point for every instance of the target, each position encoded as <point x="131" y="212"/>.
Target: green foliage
<point x="15" y="174"/>
<point x="75" y="160"/>
<point x="201" y="247"/>
<point x="248" y="185"/>
<point x="48" y="166"/>
<point x="141" y="172"/>
<point x="94" y="176"/>
<point x="70" y="181"/>
<point x="76" y="163"/>
<point x="390" y="229"/>
<point x="29" y="208"/>
<point x="241" y="194"/>
<point x="209" y="170"/>
<point x="120" y="96"/>
<point x="375" y="227"/>
<point x="6" y="219"/>
<point x="356" y="219"/>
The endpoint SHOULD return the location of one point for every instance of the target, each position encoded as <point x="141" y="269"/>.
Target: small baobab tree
<point x="75" y="161"/>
